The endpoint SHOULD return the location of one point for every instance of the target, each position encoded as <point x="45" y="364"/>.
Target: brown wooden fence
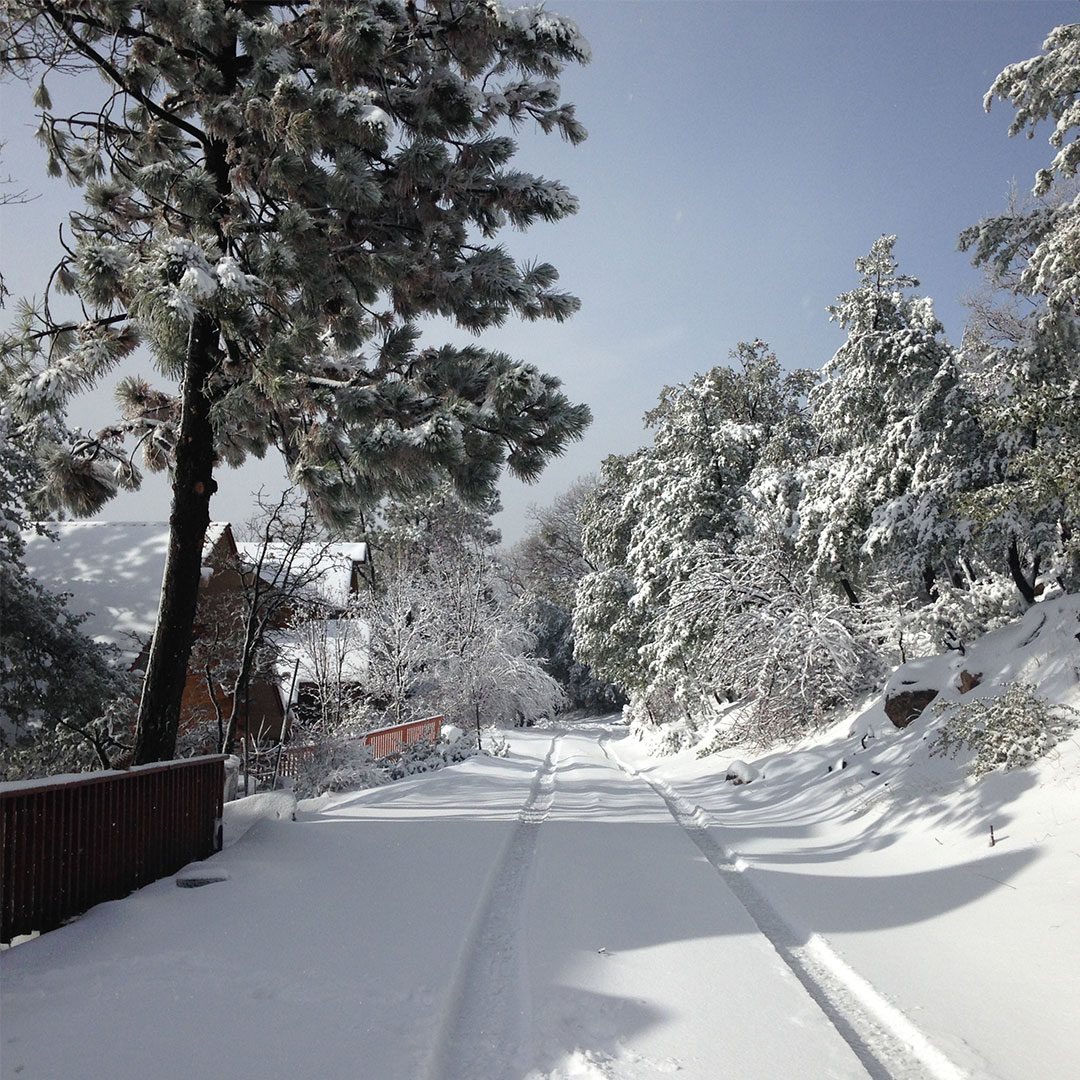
<point x="72" y="843"/>
<point x="383" y="743"/>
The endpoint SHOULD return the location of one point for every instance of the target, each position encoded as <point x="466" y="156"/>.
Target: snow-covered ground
<point x="580" y="909"/>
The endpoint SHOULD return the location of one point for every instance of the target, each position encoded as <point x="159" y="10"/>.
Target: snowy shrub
<point x="736" y="729"/>
<point x="738" y="772"/>
<point x="337" y="765"/>
<point x="346" y="764"/>
<point x="425" y="756"/>
<point x="960" y="615"/>
<point x="648" y="714"/>
<point x="455" y="750"/>
<point x="499" y="747"/>
<point x="1007" y="731"/>
<point x="662" y="740"/>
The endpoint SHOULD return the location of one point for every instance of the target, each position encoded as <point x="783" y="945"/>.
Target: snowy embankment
<point x="879" y="857"/>
<point x="579" y="909"/>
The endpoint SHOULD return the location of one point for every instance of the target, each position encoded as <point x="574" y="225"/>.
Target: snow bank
<point x="241" y="814"/>
<point x="949" y="898"/>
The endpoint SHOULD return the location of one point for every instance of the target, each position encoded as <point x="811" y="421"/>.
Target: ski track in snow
<point x="886" y="1042"/>
<point x="484" y="1031"/>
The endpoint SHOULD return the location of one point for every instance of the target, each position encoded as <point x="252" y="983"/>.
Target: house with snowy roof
<point x="326" y="574"/>
<point x="112" y="574"/>
<point x="321" y="644"/>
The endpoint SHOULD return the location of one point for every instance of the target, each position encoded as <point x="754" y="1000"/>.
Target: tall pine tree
<point x="899" y="440"/>
<point x="1035" y="250"/>
<point x="274" y="193"/>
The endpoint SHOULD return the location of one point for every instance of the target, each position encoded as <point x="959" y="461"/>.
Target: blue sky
<point x="740" y="157"/>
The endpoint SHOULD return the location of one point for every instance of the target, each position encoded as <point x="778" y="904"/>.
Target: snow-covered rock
<point x="738" y="772"/>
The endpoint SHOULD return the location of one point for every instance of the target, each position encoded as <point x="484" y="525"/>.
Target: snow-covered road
<point x="604" y="944"/>
<point x="546" y="915"/>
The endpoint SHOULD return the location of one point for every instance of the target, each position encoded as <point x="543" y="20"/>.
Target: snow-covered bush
<point x="346" y="764"/>
<point x="759" y="627"/>
<point x="657" y="718"/>
<point x="739" y="772"/>
<point x="425" y="756"/>
<point x="499" y="747"/>
<point x="961" y="615"/>
<point x="1006" y="731"/>
<point x="337" y="765"/>
<point x="664" y="739"/>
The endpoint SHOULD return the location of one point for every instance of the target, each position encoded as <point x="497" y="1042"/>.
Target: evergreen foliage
<point x="274" y="193"/>
<point x="720" y="442"/>
<point x="784" y="537"/>
<point x="901" y="437"/>
<point x="1003" y="732"/>
<point x="1032" y="250"/>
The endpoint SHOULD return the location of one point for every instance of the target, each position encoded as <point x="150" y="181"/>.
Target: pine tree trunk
<point x="849" y="591"/>
<point x="1020" y="579"/>
<point x="193" y="484"/>
<point x="930" y="582"/>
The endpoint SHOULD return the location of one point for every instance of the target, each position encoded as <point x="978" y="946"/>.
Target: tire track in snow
<point x="886" y="1042"/>
<point x="484" y="1031"/>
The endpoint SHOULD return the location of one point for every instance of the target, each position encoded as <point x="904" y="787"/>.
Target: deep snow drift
<point x="580" y="909"/>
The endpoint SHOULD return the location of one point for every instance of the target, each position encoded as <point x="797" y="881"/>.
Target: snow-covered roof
<point x="113" y="572"/>
<point x="327" y="568"/>
<point x="338" y="645"/>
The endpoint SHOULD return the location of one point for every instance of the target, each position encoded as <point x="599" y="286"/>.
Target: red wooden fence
<point x="390" y="740"/>
<point x="72" y="843"/>
<point x="383" y="743"/>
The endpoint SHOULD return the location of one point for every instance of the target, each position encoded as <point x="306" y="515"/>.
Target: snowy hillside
<point x="876" y="857"/>
<point x="581" y="909"/>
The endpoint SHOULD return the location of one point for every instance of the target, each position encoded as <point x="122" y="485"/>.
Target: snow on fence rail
<point x="383" y="743"/>
<point x="68" y="844"/>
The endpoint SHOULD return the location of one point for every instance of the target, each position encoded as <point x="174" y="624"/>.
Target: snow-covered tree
<point x="900" y="437"/>
<point x="550" y="560"/>
<point x="1032" y="248"/>
<point x="418" y="533"/>
<point x="552" y="629"/>
<point x="644" y="525"/>
<point x="609" y="627"/>
<point x="330" y="651"/>
<point x="485" y="655"/>
<point x="401" y="617"/>
<point x="1043" y="88"/>
<point x="543" y="570"/>
<point x="274" y="193"/>
<point x="763" y="630"/>
<point x="446" y="634"/>
<point x="710" y="435"/>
